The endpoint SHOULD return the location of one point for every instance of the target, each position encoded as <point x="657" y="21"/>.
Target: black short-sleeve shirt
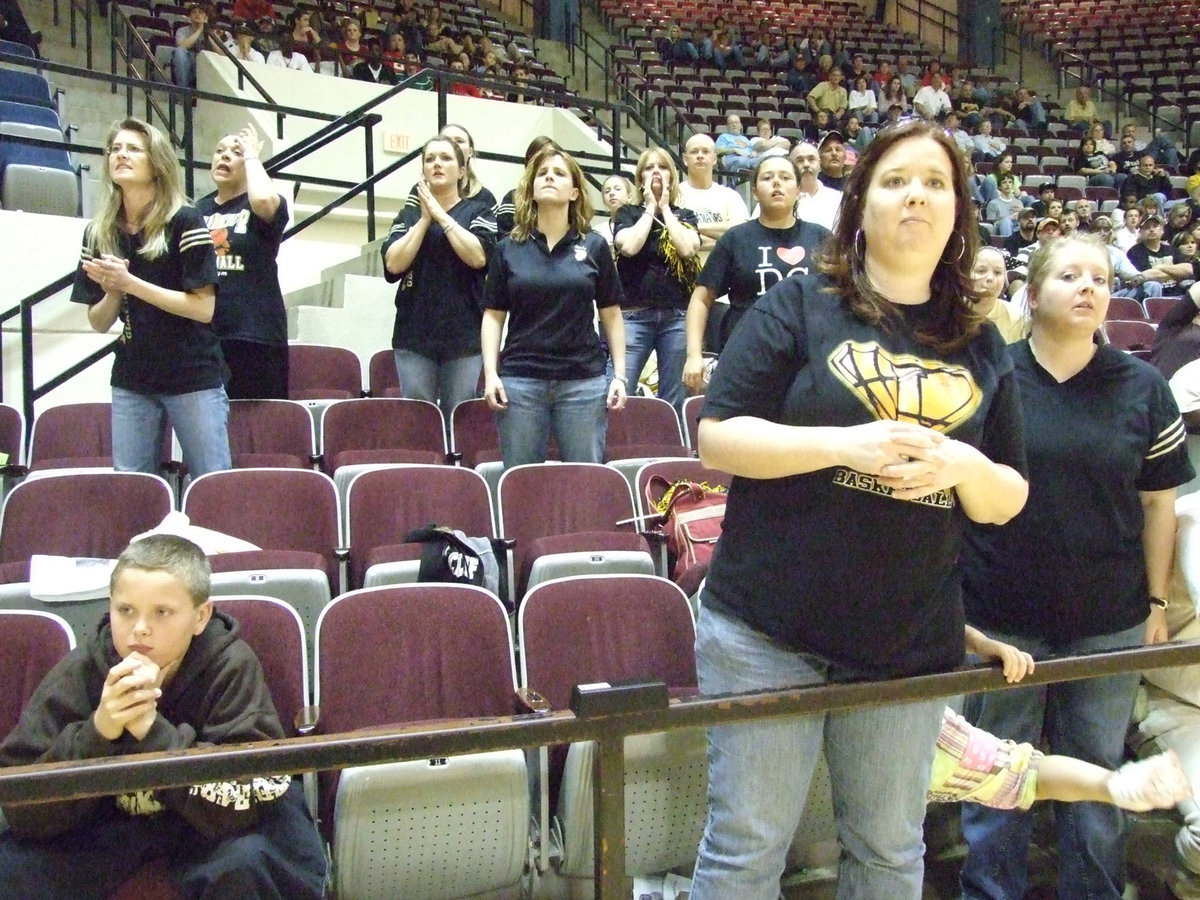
<point x="551" y="297"/>
<point x="439" y="301"/>
<point x="647" y="279"/>
<point x="1143" y="258"/>
<point x="1070" y="565"/>
<point x="159" y="352"/>
<point x="827" y="561"/>
<point x="250" y="302"/>
<point x="751" y="258"/>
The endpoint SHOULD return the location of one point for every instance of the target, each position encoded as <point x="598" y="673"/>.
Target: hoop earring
<point x="962" y="248"/>
<point x="861" y="254"/>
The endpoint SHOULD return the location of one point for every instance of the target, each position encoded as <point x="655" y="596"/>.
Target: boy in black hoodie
<point x="162" y="671"/>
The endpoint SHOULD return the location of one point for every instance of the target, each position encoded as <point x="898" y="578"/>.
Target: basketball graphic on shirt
<point x="907" y="388"/>
<point x="220" y="238"/>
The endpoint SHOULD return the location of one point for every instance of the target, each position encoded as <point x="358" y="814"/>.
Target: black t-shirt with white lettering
<point x="1071" y="565"/>
<point x="159" y="352"/>
<point x="551" y="297"/>
<point x="827" y="561"/>
<point x="751" y="258"/>
<point x="250" y="302"/>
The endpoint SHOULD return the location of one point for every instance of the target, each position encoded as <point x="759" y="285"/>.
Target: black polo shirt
<point x="551" y="296"/>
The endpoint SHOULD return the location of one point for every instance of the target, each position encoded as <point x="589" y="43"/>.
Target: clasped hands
<point x="129" y="698"/>
<point x="912" y="460"/>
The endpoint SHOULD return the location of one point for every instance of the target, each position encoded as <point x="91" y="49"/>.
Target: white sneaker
<point x="1157" y="782"/>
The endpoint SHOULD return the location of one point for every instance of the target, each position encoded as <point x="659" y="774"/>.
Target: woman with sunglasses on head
<point x="246" y="218"/>
<point x="437" y="251"/>
<point x="866" y="412"/>
<point x="148" y="260"/>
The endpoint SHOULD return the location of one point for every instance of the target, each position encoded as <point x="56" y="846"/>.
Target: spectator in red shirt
<point x="458" y="67"/>
<point x="252" y="10"/>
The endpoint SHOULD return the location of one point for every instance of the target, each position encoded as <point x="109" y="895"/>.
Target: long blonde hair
<point x="579" y="212"/>
<point x="104" y="231"/>
<point x="663" y="157"/>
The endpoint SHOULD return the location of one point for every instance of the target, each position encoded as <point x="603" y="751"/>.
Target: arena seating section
<point x="1146" y="53"/>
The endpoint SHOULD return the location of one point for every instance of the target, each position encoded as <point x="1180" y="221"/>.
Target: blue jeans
<point x="200" y="420"/>
<point x="759" y="774"/>
<point x="280" y="856"/>
<point x="575" y="410"/>
<point x="1087" y="719"/>
<point x="183" y="67"/>
<point x="663" y="331"/>
<point x="446" y="382"/>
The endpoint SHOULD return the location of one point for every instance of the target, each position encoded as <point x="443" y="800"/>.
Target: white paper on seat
<point x="67" y="579"/>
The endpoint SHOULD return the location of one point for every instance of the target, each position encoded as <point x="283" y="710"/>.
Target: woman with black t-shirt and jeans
<point x="656" y="243"/>
<point x="437" y="250"/>
<point x="751" y="258"/>
<point x="548" y="279"/>
<point x="148" y="260"/>
<point x="246" y="218"/>
<point x="865" y="413"/>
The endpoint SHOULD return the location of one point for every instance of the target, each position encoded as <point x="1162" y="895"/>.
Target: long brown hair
<point x="579" y="212"/>
<point x="954" y="322"/>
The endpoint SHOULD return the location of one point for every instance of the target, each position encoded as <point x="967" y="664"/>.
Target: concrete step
<point x="361" y="321"/>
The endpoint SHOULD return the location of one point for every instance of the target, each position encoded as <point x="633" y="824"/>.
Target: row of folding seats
<point x="35" y="177"/>
<point x="420" y="653"/>
<point x="286" y="532"/>
<point x="1152" y="309"/>
<point x="337" y="435"/>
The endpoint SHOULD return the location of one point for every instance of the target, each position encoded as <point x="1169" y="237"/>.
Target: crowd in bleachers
<point x="818" y="83"/>
<point x="378" y="43"/>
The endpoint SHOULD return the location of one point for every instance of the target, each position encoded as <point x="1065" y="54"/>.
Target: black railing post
<point x="369" y="132"/>
<point x="87" y="39"/>
<point x="441" y="103"/>
<point x="616" y="141"/>
<point x="189" y="119"/>
<point x="113" y="59"/>
<point x="27" y="359"/>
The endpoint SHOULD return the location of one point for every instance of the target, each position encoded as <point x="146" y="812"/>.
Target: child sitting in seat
<point x="162" y="671"/>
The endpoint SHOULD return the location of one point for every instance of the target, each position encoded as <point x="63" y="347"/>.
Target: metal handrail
<point x="113" y="775"/>
<point x="945" y="26"/>
<point x="361" y="117"/>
